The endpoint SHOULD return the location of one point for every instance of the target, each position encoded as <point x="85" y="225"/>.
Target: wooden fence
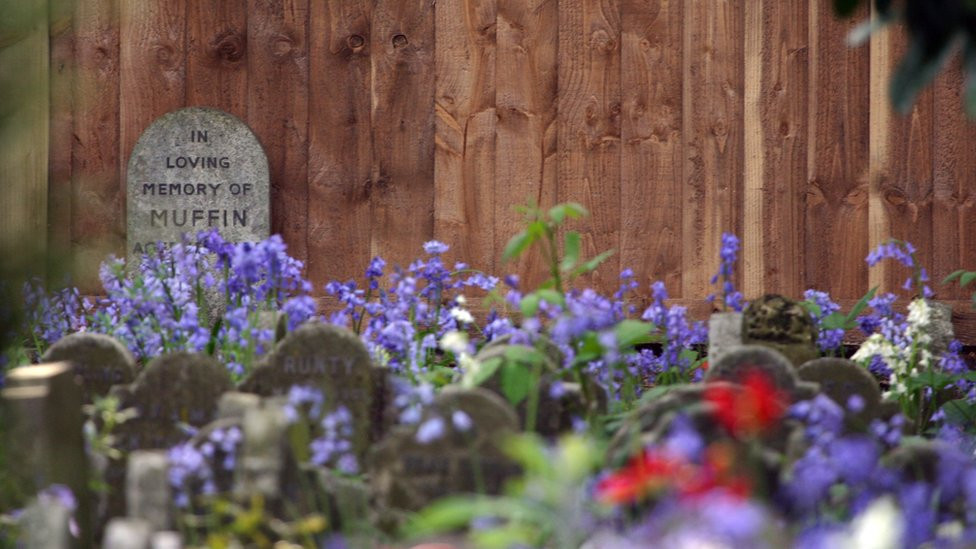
<point x="391" y="122"/>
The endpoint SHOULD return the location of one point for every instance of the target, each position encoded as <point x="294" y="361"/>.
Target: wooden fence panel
<point x="277" y="103"/>
<point x="589" y="125"/>
<point x="713" y="110"/>
<point x="651" y="182"/>
<point x="836" y="230"/>
<point x="526" y="93"/>
<point x="340" y="145"/>
<point x="402" y="190"/>
<point x="389" y="122"/>
<point x="464" y="157"/>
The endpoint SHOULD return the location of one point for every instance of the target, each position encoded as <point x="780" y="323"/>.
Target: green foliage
<point x="965" y="278"/>
<point x="936" y="30"/>
<point x="542" y="509"/>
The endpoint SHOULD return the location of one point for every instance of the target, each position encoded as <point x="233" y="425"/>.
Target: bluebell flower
<point x="430" y="430"/>
<point x="434" y="247"/>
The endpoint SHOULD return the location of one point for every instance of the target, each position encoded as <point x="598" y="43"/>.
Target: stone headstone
<point x="326" y="356"/>
<point x="411" y="467"/>
<point x="44" y="443"/>
<point x="147" y="488"/>
<point x="940" y="327"/>
<point x="194" y="169"/>
<point x="737" y="363"/>
<point x="841" y="379"/>
<point x="127" y="533"/>
<point x="724" y="334"/>
<point x="166" y="540"/>
<point x="262" y="457"/>
<point x="783" y="325"/>
<point x="234" y="404"/>
<point x="172" y="392"/>
<point x="101" y="361"/>
<point x="45" y="524"/>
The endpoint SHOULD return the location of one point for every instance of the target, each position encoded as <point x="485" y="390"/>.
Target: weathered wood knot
<point x="399" y="40"/>
<point x="229" y="47"/>
<point x="283" y="45"/>
<point x="601" y="41"/>
<point x="355" y="42"/>
<point x="165" y="56"/>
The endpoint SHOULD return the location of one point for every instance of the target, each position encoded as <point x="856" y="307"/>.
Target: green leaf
<point x="516" y="245"/>
<point x="916" y="71"/>
<point x="214" y="333"/>
<point x="851" y="321"/>
<point x="530" y="304"/>
<point x="631" y="332"/>
<point x="593" y="263"/>
<point x="515" y="381"/>
<point x="524" y="354"/>
<point x="573" y="210"/>
<point x="960" y="412"/>
<point x="571" y="251"/>
<point x="551" y="296"/>
<point x="558" y="213"/>
<point x="953" y="276"/>
<point x="833" y="321"/>
<point x="811" y="308"/>
<point x="967" y="278"/>
<point x="508" y="535"/>
<point x="529" y="451"/>
<point x="443" y="515"/>
<point x="483" y="372"/>
<point x="936" y="380"/>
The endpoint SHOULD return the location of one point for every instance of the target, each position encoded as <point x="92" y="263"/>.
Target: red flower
<point x="747" y="410"/>
<point x="647" y="473"/>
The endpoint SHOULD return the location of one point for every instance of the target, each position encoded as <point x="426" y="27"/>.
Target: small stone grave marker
<point x="100" y="360"/>
<point x="724" y="334"/>
<point x="414" y="465"/>
<point x="172" y="391"/>
<point x="783" y="325"/>
<point x="329" y="357"/>
<point x="147" y="488"/>
<point x="840" y="379"/>
<point x="194" y="169"/>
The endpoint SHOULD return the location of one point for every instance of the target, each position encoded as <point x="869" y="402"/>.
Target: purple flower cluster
<point x="904" y="253"/>
<point x="333" y="430"/>
<point x="829" y="340"/>
<point x="729" y="255"/>
<point x="176" y="295"/>
<point x="680" y="336"/>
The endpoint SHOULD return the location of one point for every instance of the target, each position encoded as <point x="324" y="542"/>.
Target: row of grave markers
<point x="404" y="473"/>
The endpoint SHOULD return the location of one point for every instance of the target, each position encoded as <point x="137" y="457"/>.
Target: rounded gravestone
<point x="101" y="361"/>
<point x="840" y="379"/>
<point x="735" y="365"/>
<point x="195" y="169"/>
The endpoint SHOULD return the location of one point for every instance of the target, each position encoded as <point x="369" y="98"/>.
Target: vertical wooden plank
<point x="277" y="64"/>
<point x="340" y="140"/>
<point x="526" y="131"/>
<point x="61" y="16"/>
<point x="216" y="60"/>
<point x="651" y="157"/>
<point x="97" y="200"/>
<point x="589" y="124"/>
<point x="901" y="162"/>
<point x="836" y="214"/>
<point x="153" y="70"/>
<point x="402" y="190"/>
<point x="776" y="87"/>
<point x="954" y="196"/>
<point x="24" y="127"/>
<point x="464" y="157"/>
<point x="713" y="110"/>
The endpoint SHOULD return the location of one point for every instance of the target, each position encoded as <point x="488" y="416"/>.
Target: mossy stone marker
<point x="194" y="169"/>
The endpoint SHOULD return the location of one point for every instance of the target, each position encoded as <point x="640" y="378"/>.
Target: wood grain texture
<point x="713" y="137"/>
<point x="216" y="62"/>
<point x="403" y="69"/>
<point x="277" y="103"/>
<point x="651" y="152"/>
<point x="97" y="187"/>
<point x="953" y="192"/>
<point x="340" y="140"/>
<point x="776" y="84"/>
<point x="836" y="210"/>
<point x="152" y="70"/>
<point x="61" y="70"/>
<point x="526" y="132"/>
<point x="464" y="157"/>
<point x="589" y="125"/>
<point x="902" y="170"/>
